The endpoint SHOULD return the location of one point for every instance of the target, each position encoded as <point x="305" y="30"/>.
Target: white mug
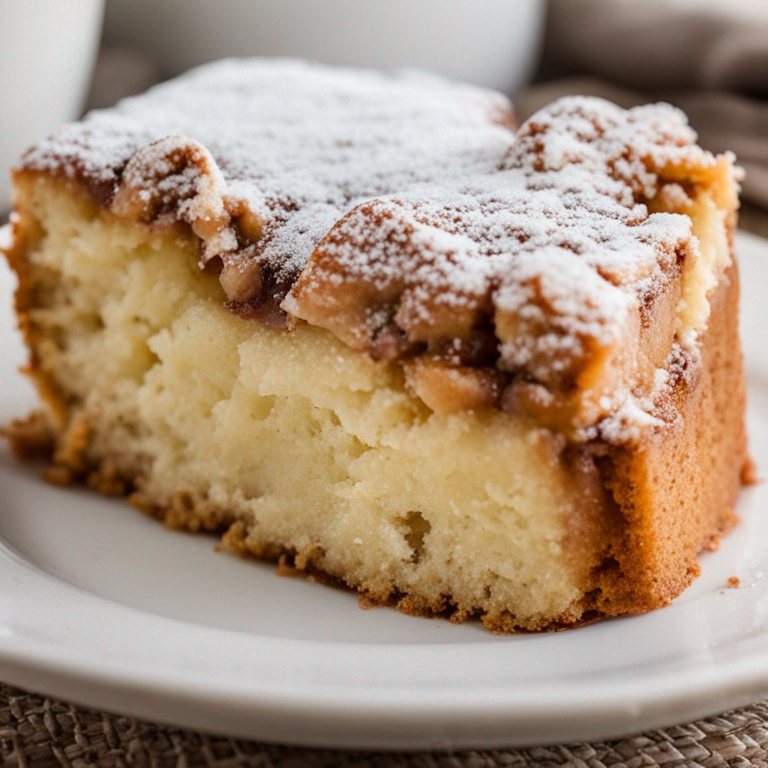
<point x="47" y="52"/>
<point x="494" y="43"/>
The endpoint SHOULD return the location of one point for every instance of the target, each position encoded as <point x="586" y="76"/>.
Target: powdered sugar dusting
<point x="299" y="143"/>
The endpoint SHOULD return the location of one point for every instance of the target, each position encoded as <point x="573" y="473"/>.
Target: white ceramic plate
<point x="105" y="607"/>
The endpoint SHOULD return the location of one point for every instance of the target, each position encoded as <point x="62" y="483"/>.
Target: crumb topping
<point x="296" y="143"/>
<point x="402" y="212"/>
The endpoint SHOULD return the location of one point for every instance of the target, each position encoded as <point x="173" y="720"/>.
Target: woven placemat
<point x="38" y="732"/>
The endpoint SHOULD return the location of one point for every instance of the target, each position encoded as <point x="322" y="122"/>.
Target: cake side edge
<point x="677" y="494"/>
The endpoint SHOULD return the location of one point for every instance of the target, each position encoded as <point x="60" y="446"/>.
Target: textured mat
<point x="37" y="732"/>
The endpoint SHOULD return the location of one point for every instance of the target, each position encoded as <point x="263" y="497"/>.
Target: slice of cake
<point x="358" y="323"/>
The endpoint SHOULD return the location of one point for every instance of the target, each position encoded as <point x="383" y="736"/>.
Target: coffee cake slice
<point x="358" y="323"/>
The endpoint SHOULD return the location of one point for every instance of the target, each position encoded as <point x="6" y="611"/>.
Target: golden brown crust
<point x="676" y="495"/>
<point x="26" y="234"/>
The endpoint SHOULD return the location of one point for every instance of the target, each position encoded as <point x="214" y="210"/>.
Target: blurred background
<point x="708" y="56"/>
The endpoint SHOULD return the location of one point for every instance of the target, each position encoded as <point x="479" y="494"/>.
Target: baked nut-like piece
<point x="358" y="322"/>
